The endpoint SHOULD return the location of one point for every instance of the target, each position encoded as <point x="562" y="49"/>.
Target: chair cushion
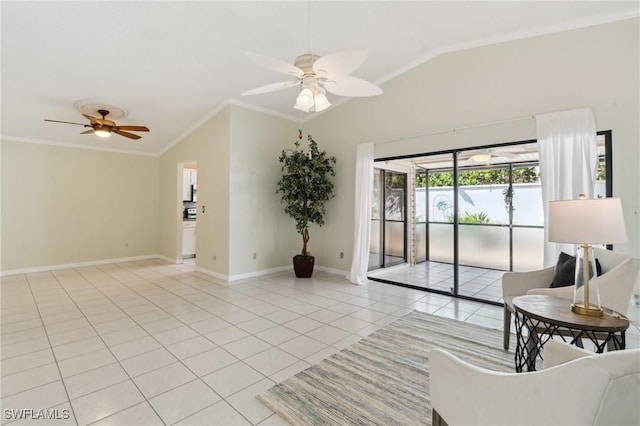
<point x="564" y="274"/>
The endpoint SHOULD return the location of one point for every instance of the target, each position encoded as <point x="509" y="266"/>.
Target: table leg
<point x="527" y="347"/>
<point x="520" y="343"/>
<point x="614" y="343"/>
<point x="533" y="344"/>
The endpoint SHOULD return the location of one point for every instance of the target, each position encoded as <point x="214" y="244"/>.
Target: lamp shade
<point x="587" y="221"/>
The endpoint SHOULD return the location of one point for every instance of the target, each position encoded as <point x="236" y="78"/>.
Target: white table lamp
<point x="585" y="222"/>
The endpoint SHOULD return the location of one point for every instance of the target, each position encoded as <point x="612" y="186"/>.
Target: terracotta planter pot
<point x="303" y="265"/>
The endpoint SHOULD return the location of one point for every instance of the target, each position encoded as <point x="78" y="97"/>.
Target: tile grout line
<point x="55" y="357"/>
<point x="197" y="376"/>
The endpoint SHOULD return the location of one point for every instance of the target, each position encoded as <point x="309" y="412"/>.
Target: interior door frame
<point x="180" y="209"/>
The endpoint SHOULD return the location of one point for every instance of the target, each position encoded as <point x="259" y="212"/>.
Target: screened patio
<point x="477" y="210"/>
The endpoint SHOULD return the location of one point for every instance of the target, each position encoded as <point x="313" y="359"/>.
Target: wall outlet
<point x="255" y="256"/>
<point x="341" y="255"/>
<point x="214" y="257"/>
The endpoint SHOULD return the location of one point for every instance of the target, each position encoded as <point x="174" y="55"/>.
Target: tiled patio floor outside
<point x="479" y="283"/>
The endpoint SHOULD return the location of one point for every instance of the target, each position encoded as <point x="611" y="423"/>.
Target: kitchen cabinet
<point x="188" y="239"/>
<point x="189" y="177"/>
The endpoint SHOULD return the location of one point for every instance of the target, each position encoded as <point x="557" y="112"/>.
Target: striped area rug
<point x="384" y="378"/>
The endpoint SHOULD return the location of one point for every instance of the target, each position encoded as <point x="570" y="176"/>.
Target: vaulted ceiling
<point x="172" y="64"/>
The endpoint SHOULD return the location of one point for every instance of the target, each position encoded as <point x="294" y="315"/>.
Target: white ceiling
<point x="174" y="64"/>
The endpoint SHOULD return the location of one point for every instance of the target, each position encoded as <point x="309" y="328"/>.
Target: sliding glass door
<point x="420" y="216"/>
<point x="473" y="215"/>
<point x="388" y="245"/>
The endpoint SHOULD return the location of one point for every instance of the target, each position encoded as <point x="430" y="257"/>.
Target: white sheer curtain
<point x="568" y="164"/>
<point x="362" y="216"/>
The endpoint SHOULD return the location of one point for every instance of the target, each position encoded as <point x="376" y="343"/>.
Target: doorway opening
<point x="187" y="200"/>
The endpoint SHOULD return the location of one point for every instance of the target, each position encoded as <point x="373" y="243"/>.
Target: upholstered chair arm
<point x="519" y="283"/>
<point x="463" y="394"/>
<point x="556" y="353"/>
<point x="616" y="286"/>
<point x="563" y="292"/>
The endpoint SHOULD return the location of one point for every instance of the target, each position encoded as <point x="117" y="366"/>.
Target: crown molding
<point x="77" y="146"/>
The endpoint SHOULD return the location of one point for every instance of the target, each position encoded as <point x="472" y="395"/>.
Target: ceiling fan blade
<point x="67" y="122"/>
<point x="351" y="87"/>
<point x="126" y="134"/>
<point x="86" y="132"/>
<point x="468" y="154"/>
<point x="505" y="155"/>
<point x="275" y="64"/>
<point x="91" y="119"/>
<point x="273" y="87"/>
<point x="133" y="128"/>
<point x="494" y="153"/>
<point x="101" y="121"/>
<point x="340" y="63"/>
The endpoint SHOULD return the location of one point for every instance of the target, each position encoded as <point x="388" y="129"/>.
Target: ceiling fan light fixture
<point x="301" y="108"/>
<point x="102" y="133"/>
<point x="481" y="158"/>
<point x="321" y="101"/>
<point x="304" y="101"/>
<point x="310" y="72"/>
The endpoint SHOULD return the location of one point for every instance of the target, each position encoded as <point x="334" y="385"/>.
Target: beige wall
<point x="209" y="146"/>
<point x="596" y="66"/>
<point x="257" y="221"/>
<point x="237" y="153"/>
<point x="66" y="205"/>
<point x="63" y="205"/>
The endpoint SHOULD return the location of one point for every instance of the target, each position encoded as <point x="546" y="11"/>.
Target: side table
<point x="538" y="318"/>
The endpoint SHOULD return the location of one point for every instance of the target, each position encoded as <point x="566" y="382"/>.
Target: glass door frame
<point x="608" y="163"/>
<point x="384" y="173"/>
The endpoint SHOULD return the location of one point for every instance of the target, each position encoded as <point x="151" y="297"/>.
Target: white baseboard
<point x="170" y="260"/>
<point x="280" y="269"/>
<point x="36" y="269"/>
<point x="260" y="273"/>
<point x="237" y="277"/>
<point x="214" y="274"/>
<point x="332" y="270"/>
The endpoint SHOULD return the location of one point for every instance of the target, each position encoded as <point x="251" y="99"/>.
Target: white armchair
<point x="620" y="273"/>
<point x="575" y="387"/>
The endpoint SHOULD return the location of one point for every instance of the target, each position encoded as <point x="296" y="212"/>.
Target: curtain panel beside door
<point x="568" y="152"/>
<point x="362" y="213"/>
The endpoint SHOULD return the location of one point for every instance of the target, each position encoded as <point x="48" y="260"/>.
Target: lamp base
<point x="590" y="311"/>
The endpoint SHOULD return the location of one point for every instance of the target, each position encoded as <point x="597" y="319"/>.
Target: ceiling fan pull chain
<point x="309" y="26"/>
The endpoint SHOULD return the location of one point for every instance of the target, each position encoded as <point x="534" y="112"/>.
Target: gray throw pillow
<point x="565" y="271"/>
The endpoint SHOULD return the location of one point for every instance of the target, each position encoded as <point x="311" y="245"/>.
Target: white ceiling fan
<point x="484" y="155"/>
<point x="315" y="75"/>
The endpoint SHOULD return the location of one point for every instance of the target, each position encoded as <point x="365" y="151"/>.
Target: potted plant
<point x="305" y="186"/>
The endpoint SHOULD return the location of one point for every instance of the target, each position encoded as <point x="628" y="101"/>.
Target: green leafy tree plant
<point x="305" y="186"/>
<point x="477" y="218"/>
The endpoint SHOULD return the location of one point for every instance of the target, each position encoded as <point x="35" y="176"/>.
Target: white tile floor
<point x="145" y="343"/>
